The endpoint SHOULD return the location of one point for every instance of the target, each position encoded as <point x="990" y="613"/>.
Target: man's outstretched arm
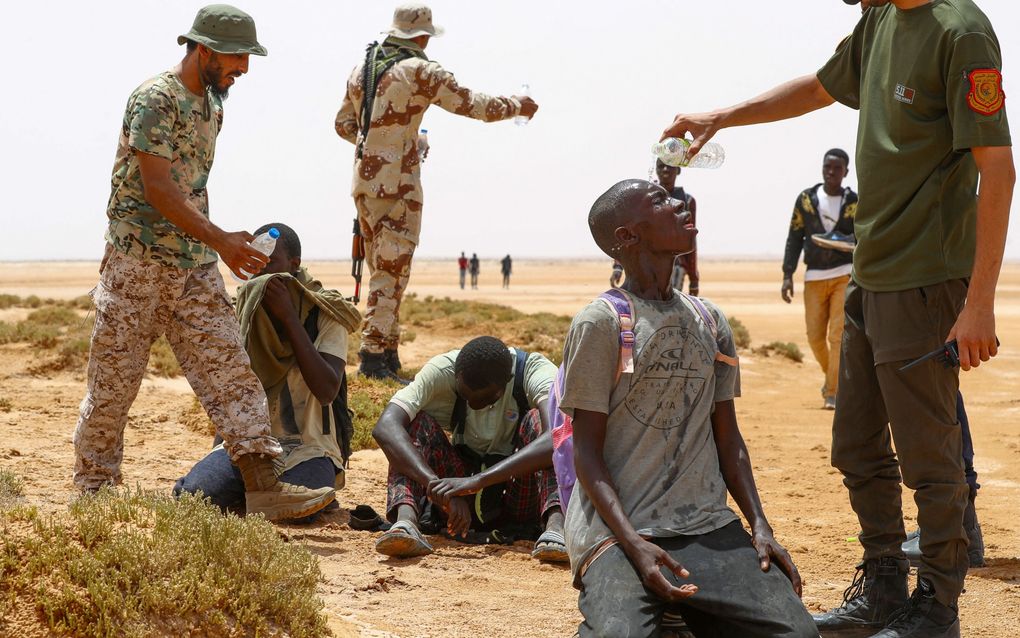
<point x="648" y="558"/>
<point x="735" y="463"/>
<point x="975" y="327"/>
<point x="789" y="100"/>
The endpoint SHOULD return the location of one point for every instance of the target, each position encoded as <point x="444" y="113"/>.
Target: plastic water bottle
<point x="423" y="145"/>
<point x="522" y="120"/>
<point x="265" y="244"/>
<point x="673" y="152"/>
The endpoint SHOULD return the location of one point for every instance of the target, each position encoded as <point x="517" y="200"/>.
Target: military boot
<point x="877" y="592"/>
<point x="923" y="617"/>
<point x="375" y="365"/>
<point x="265" y="494"/>
<point x="392" y="360"/>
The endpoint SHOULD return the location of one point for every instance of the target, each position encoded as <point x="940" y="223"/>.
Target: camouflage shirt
<point x="165" y="119"/>
<point x="390" y="166"/>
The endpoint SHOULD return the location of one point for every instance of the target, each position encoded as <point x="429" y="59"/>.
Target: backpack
<point x="562" y="424"/>
<point x="379" y="58"/>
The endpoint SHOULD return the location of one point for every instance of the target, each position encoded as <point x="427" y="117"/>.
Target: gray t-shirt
<point x="659" y="448"/>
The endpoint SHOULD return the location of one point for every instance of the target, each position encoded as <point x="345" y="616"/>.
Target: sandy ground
<point x="500" y="591"/>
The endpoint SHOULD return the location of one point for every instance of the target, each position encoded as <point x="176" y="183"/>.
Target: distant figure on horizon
<point x="506" y="267"/>
<point x="387" y="96"/>
<point x="617" y="276"/>
<point x="687" y="264"/>
<point x="823" y="209"/>
<point x="462" y="265"/>
<point x="474" y="267"/>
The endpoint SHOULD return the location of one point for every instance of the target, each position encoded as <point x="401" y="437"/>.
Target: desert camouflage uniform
<point x="156" y="280"/>
<point x="387" y="179"/>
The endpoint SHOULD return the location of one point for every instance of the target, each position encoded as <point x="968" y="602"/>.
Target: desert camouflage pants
<point x="136" y="302"/>
<point x="390" y="228"/>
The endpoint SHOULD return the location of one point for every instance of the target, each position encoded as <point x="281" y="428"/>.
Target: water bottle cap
<point x="275" y="234"/>
<point x="425" y="130"/>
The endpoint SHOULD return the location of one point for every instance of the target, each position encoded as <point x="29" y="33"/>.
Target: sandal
<point x="551" y="547"/>
<point x="403" y="540"/>
<point x="365" y="519"/>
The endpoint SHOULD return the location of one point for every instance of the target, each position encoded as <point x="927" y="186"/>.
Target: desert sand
<point x="500" y="591"/>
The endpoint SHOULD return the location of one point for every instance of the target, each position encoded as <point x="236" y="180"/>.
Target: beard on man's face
<point x="216" y="79"/>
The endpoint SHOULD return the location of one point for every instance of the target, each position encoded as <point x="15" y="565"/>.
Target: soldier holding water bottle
<point x="387" y="96"/>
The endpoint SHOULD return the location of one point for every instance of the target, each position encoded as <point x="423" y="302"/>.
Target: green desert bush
<point x="12" y="488"/>
<point x="786" y="349"/>
<point x="741" y="336"/>
<point x="162" y="361"/>
<point x="135" y="563"/>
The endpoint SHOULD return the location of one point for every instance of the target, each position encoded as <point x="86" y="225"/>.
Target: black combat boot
<point x="923" y="617"/>
<point x="392" y="360"/>
<point x="878" y="591"/>
<point x="374" y="366"/>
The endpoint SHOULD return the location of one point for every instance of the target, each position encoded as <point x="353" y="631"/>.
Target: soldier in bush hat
<point x="387" y="96"/>
<point x="159" y="276"/>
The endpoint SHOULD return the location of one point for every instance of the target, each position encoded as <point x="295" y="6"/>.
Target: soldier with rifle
<point x="387" y="96"/>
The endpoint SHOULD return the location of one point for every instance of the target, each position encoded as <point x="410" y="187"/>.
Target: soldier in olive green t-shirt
<point x="926" y="77"/>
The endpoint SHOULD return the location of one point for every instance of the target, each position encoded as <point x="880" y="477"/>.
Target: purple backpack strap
<point x="620" y="303"/>
<point x="713" y="326"/>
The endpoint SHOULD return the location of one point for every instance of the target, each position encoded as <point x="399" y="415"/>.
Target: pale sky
<point x="608" y="77"/>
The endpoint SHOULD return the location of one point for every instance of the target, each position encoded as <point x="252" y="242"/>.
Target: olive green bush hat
<point x="224" y="29"/>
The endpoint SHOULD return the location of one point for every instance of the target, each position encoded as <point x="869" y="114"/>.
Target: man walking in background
<point x="387" y="96"/>
<point x="159" y="274"/>
<point x="462" y="265"/>
<point x="475" y="267"/>
<point x="685" y="265"/>
<point x="506" y="267"/>
<point x="825" y="209"/>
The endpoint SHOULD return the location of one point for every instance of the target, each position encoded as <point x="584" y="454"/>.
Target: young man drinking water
<point x="648" y="530"/>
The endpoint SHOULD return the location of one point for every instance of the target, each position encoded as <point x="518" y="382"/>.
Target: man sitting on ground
<point x="656" y="451"/>
<point x="496" y="474"/>
<point x="295" y="333"/>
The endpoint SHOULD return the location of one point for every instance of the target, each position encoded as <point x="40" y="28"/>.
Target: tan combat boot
<point x="265" y="494"/>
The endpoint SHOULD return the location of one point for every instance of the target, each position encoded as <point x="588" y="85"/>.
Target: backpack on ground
<point x="562" y="424"/>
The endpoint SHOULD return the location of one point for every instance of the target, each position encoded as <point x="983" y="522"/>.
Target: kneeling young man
<point x="295" y="333"/>
<point x="656" y="451"/>
<point x="496" y="472"/>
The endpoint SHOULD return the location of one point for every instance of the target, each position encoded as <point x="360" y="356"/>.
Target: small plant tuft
<point x="741" y="335"/>
<point x="786" y="349"/>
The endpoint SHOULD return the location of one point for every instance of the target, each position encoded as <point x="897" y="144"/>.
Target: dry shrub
<point x="162" y="361"/>
<point x="196" y="419"/>
<point x="786" y="349"/>
<point x="135" y="563"/>
<point x="12" y="488"/>
<point x="5" y="404"/>
<point x="367" y="398"/>
<point x="741" y="336"/>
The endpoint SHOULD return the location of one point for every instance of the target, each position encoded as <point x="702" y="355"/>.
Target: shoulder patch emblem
<point x="985" y="96"/>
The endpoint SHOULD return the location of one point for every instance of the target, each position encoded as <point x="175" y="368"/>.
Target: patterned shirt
<point x="389" y="166"/>
<point x="165" y="119"/>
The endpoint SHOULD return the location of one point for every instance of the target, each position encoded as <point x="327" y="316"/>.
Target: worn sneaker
<point x="836" y="240"/>
<point x="877" y="592"/>
<point x="923" y="617"/>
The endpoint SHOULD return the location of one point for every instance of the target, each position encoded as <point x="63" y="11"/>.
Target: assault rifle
<point x="357" y="260"/>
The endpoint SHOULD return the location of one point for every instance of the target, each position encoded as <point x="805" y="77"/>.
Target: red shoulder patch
<point x="986" y="96"/>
